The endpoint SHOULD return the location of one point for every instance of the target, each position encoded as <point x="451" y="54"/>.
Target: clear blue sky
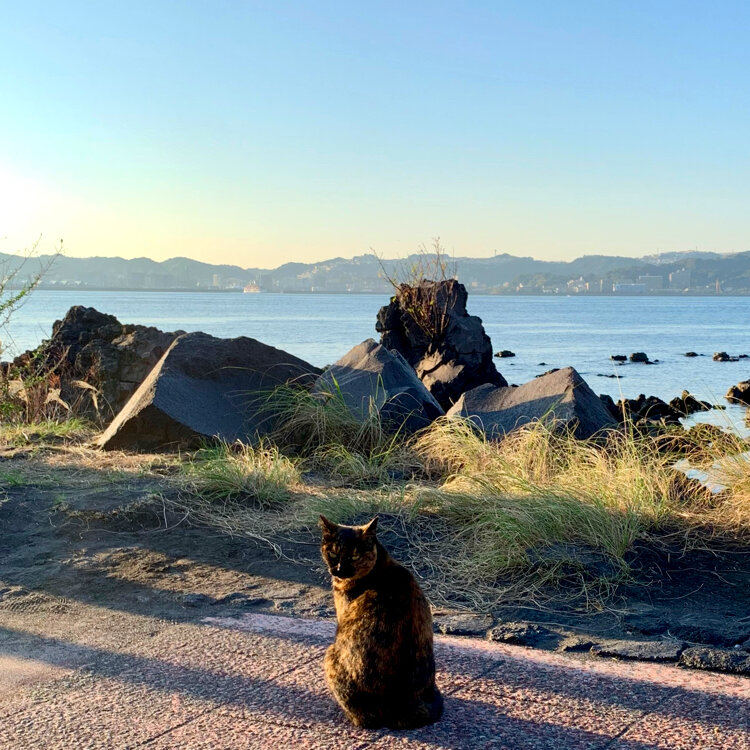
<point x="260" y="132"/>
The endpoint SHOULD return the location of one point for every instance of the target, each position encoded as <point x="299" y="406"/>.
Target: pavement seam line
<point x="150" y="740"/>
<point x="642" y="717"/>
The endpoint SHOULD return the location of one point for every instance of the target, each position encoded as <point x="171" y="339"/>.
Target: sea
<point x="543" y="332"/>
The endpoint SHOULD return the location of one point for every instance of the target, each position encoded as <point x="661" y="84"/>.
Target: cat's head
<point x="349" y="551"/>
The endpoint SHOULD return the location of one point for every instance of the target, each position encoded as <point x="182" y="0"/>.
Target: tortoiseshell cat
<point x="381" y="667"/>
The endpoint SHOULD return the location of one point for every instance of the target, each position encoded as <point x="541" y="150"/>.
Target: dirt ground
<point x="77" y="530"/>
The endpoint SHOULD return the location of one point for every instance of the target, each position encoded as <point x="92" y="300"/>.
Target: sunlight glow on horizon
<point x="265" y="133"/>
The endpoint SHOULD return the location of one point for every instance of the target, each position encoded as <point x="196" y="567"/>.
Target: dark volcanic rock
<point x="724" y="357"/>
<point x="457" y="358"/>
<point x="639" y="357"/>
<point x="204" y="387"/>
<point x="611" y="406"/>
<point x="718" y="659"/>
<point x="687" y="404"/>
<point x="505" y="353"/>
<point x="562" y="395"/>
<point x="370" y="376"/>
<point x="643" y="650"/>
<point x="649" y="408"/>
<point x="463" y="624"/>
<point x="691" y="354"/>
<point x="96" y="348"/>
<point x="618" y="358"/>
<point x="524" y="634"/>
<point x="740" y="393"/>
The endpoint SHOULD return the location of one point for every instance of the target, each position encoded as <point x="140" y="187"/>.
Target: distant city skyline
<point x="260" y="133"/>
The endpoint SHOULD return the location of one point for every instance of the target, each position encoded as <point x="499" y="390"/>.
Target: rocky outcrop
<point x="562" y="396"/>
<point x="687" y="404"/>
<point x="648" y="409"/>
<point x="429" y="326"/>
<point x="371" y="377"/>
<point x="96" y="348"/>
<point x="724" y="357"/>
<point x="740" y="393"/>
<point x="505" y="354"/>
<point x="639" y="357"/>
<point x="202" y="388"/>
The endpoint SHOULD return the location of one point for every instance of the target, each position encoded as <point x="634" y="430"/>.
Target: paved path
<point x="255" y="681"/>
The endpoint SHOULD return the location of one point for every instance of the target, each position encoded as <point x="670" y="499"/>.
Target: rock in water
<point x="562" y="395"/>
<point x="639" y="357"/>
<point x="740" y="393"/>
<point x="204" y="387"/>
<point x="452" y="354"/>
<point x="371" y="376"/>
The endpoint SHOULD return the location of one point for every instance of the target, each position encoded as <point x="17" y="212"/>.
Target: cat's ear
<point x="370" y="528"/>
<point x="329" y="527"/>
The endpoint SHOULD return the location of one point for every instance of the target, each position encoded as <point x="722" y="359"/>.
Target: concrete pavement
<point x="255" y="681"/>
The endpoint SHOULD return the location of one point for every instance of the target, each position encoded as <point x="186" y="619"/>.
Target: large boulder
<point x="87" y="345"/>
<point x="204" y="387"/>
<point x="740" y="393"/>
<point x="370" y="377"/>
<point x="428" y="325"/>
<point x="562" y="396"/>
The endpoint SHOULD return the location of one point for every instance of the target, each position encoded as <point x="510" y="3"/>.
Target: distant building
<point x="679" y="279"/>
<point x="216" y="280"/>
<point x="653" y="283"/>
<point x="629" y="288"/>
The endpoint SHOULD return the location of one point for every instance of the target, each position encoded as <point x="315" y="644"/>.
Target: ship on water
<point x="251" y="288"/>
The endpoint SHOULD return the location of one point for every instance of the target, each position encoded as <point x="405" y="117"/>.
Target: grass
<point x="46" y="431"/>
<point x="538" y="516"/>
<point x="260" y="476"/>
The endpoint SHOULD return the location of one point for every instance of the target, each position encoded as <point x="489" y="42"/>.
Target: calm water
<point x="559" y="331"/>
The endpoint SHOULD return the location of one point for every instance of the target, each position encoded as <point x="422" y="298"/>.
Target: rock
<point x="547" y="372"/>
<point x="202" y="388"/>
<point x="618" y="358"/>
<point x="611" y="406"/>
<point x="639" y="357"/>
<point x="562" y="395"/>
<point x="370" y="375"/>
<point x="524" y="634"/>
<point x="687" y="404"/>
<point x="712" y="631"/>
<point x="505" y="353"/>
<point x="576" y="644"/>
<point x="740" y="393"/>
<point x="724" y="357"/>
<point x="717" y="659"/>
<point x="642" y="650"/>
<point x="452" y="354"/>
<point x="649" y="408"/>
<point x="463" y="624"/>
<point x="691" y="354"/>
<point x="96" y="348"/>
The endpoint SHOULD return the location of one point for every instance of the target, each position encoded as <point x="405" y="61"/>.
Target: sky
<point x="257" y="133"/>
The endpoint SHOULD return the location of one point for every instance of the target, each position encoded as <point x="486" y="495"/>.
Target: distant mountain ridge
<point x="502" y="273"/>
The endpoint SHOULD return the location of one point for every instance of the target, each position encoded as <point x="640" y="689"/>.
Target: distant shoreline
<point x="473" y="292"/>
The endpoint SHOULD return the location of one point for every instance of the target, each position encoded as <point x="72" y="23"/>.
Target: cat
<point x="380" y="667"/>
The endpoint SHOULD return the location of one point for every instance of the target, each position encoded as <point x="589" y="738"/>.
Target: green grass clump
<point x="306" y="422"/>
<point x="260" y="476"/>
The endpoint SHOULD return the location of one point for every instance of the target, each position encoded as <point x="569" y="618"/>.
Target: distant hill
<point x="503" y="274"/>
